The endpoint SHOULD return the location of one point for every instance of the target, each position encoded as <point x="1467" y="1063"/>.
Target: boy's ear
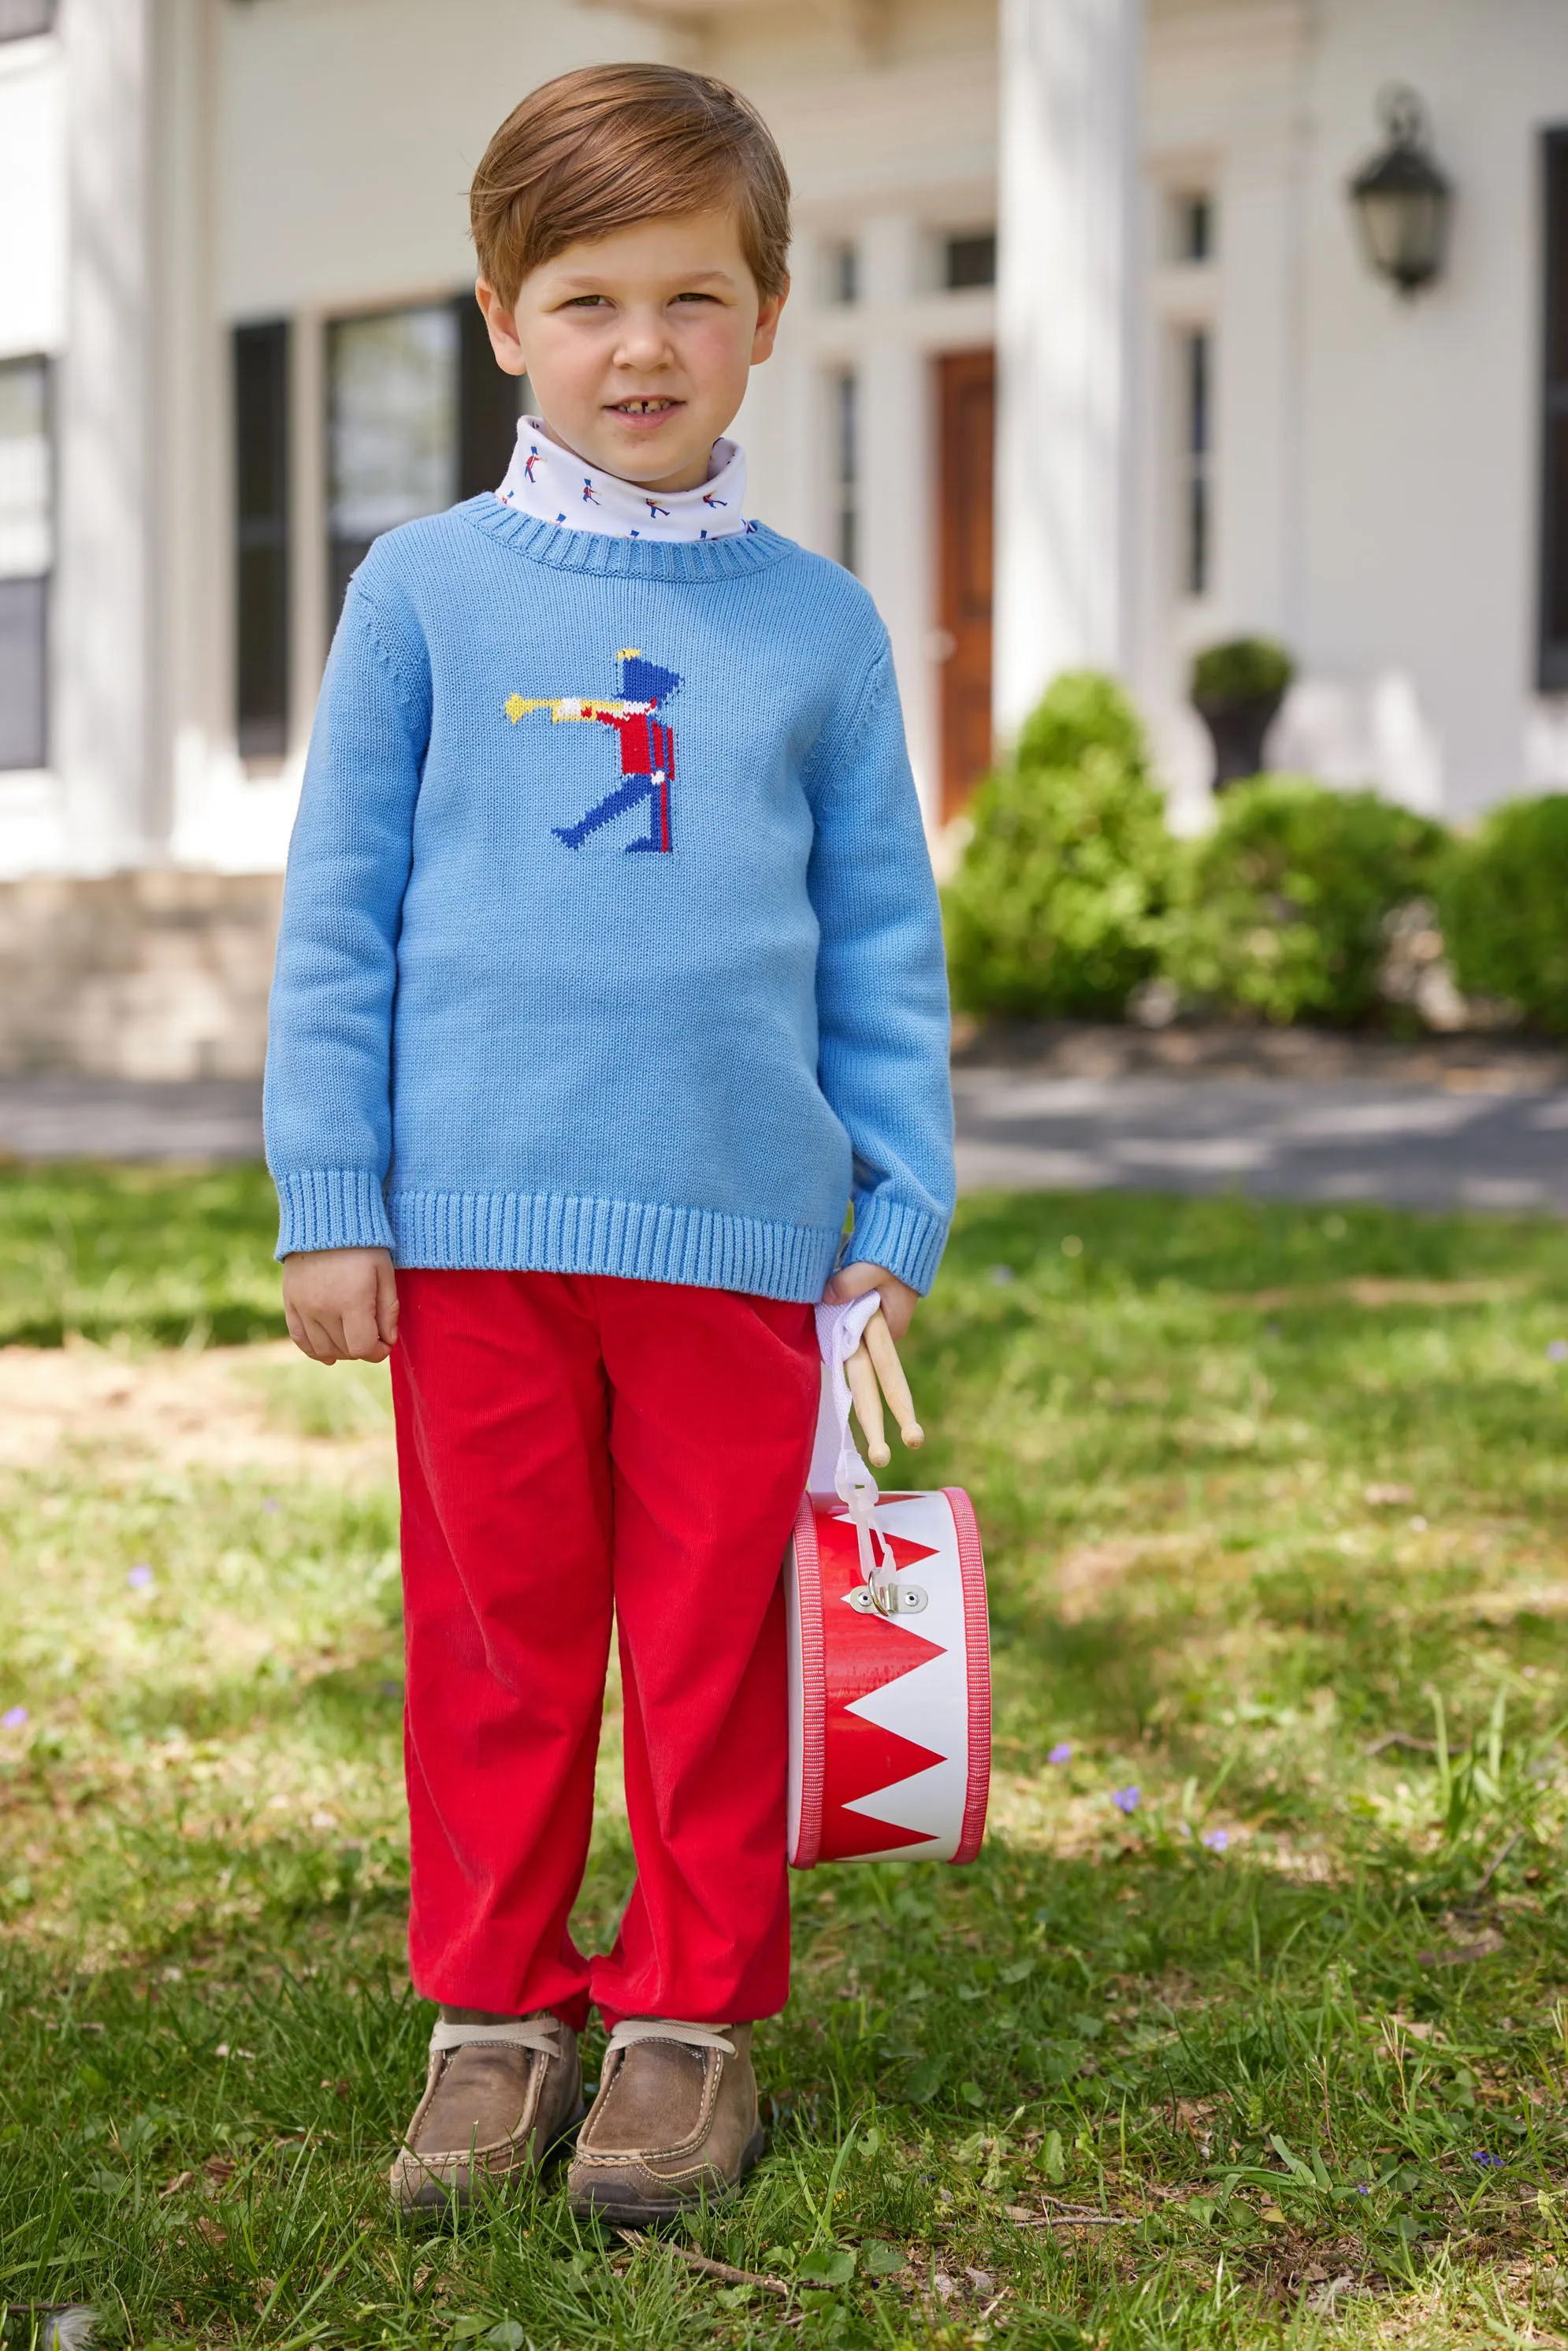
<point x="503" y="329"/>
<point x="768" y="317"/>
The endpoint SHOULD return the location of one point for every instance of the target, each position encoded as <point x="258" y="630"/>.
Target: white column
<point x="190" y="498"/>
<point x="1067" y="167"/>
<point x="100" y="633"/>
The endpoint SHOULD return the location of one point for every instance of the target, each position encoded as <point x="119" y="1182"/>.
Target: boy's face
<point x="638" y="344"/>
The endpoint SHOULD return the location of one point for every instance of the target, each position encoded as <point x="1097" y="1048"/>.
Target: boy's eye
<point x="584" y="302"/>
<point x="693" y="298"/>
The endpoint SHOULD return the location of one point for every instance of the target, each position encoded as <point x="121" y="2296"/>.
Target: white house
<point x="1085" y="361"/>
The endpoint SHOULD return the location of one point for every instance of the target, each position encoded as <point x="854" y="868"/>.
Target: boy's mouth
<point x="654" y="406"/>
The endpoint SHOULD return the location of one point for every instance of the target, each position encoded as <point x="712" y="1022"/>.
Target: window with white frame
<point x="418" y="415"/>
<point x="845" y="389"/>
<point x="392" y="426"/>
<point x="26" y="559"/>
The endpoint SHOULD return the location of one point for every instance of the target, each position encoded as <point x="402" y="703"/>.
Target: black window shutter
<point x="261" y="537"/>
<point x="488" y="405"/>
<point x="1552" y="669"/>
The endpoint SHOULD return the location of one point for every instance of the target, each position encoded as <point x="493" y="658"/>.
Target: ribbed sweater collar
<point x="594" y="552"/>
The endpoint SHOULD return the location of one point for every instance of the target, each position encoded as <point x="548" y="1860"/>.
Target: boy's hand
<point x="898" y="1300"/>
<point x="341" y="1304"/>
<point x="874" y="1370"/>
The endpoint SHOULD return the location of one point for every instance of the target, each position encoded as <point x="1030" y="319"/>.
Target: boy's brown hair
<point x="609" y="146"/>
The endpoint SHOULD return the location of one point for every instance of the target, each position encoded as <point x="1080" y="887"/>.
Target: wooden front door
<point x="966" y="414"/>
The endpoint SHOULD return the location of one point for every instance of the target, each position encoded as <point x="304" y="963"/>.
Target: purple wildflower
<point x="1125" y="1800"/>
<point x="270" y="1502"/>
<point x="1557" y="1353"/>
<point x="1216" y="1840"/>
<point x="1480" y="2156"/>
<point x="1362" y="2188"/>
<point x="14" y="1717"/>
<point x="141" y="1576"/>
<point x="1061" y="1753"/>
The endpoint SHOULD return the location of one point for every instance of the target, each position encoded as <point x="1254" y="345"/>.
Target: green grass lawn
<point x="1274" y="1501"/>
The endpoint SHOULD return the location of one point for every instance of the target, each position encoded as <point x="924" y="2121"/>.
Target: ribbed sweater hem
<point x="555" y="1232"/>
<point x="907" y="1241"/>
<point x="332" y="1207"/>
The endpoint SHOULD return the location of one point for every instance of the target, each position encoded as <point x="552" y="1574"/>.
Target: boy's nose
<point x="643" y="344"/>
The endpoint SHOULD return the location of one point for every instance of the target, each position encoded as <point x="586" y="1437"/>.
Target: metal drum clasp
<point x="899" y="1600"/>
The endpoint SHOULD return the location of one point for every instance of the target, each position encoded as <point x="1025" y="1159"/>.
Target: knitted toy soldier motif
<point x="647" y="748"/>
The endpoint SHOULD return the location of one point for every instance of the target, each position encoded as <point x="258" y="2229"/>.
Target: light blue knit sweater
<point x="653" y="987"/>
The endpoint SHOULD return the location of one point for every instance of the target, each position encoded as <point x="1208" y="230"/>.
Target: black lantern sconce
<point x="1402" y="199"/>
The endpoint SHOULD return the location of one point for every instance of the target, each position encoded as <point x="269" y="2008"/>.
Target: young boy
<point x="609" y="981"/>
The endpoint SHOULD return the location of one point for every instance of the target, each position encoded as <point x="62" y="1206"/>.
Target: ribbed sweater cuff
<point x="332" y="1207"/>
<point x="904" y="1240"/>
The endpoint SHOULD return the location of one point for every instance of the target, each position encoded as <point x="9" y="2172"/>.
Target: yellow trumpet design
<point x="561" y="707"/>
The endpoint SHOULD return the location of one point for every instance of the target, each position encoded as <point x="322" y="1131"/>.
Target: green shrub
<point x="1055" y="910"/>
<point x="1084" y="711"/>
<point x="1284" y="902"/>
<point x="1502" y="902"/>
<point x="1243" y="669"/>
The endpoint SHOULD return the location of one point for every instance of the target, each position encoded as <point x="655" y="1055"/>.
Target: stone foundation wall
<point x="157" y="975"/>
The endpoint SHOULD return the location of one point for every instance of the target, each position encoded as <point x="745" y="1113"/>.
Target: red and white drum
<point x="889" y="1680"/>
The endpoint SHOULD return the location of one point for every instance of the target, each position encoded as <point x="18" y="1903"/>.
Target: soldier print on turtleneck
<point x="554" y="485"/>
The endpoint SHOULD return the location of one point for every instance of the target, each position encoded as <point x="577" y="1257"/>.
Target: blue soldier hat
<point x="645" y="681"/>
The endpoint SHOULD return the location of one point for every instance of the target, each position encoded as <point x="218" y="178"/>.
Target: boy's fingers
<point x="362" y="1337"/>
<point x="386" y="1301"/>
<point x="320" y="1340"/>
<point x="850" y="1282"/>
<point x="867" y="1398"/>
<point x="878" y="1342"/>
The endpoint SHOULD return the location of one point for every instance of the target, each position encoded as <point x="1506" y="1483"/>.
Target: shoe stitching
<point x="515" y="2140"/>
<point x="694" y="2138"/>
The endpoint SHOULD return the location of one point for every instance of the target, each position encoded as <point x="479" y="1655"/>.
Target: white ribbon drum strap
<point x="840" y="1330"/>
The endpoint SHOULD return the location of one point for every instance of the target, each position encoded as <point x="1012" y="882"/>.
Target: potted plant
<point x="1237" y="689"/>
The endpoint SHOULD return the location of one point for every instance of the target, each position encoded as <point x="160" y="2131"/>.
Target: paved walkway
<point x="110" y="1118"/>
<point x="1294" y="1139"/>
<point x="1484" y="1133"/>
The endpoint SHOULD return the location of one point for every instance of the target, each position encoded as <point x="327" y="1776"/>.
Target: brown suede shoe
<point x="497" y="2099"/>
<point x="675" y="2122"/>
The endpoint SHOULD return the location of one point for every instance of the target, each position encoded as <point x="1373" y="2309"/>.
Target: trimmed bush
<point x="1502" y="902"/>
<point x="1285" y="902"/>
<point x="1084" y="711"/>
<point x="1242" y="669"/>
<point x="1055" y="910"/>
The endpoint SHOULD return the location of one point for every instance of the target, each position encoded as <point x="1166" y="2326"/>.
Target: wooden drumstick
<point x="867" y="1398"/>
<point x="877" y="1339"/>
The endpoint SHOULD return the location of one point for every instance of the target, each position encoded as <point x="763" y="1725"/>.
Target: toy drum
<point x="890" y="1705"/>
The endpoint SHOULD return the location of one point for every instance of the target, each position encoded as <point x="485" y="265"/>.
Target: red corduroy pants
<point x="569" y="1445"/>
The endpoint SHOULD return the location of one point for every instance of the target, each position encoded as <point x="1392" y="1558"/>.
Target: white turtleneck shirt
<point x="554" y="485"/>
